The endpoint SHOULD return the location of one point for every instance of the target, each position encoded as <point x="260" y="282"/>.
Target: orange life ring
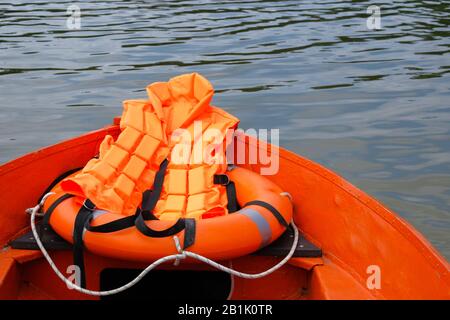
<point x="219" y="238"/>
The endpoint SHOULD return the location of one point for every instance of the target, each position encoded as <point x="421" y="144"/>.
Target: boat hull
<point x="369" y="252"/>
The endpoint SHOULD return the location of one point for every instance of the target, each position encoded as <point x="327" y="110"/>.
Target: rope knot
<point x="36" y="209"/>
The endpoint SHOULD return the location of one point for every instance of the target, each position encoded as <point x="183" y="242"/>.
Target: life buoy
<point x="263" y="217"/>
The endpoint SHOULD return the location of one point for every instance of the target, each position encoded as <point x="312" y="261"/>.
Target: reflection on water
<point x="370" y="104"/>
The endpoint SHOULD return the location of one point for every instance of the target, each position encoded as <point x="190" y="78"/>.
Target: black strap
<point x="149" y="232"/>
<point x="84" y="215"/>
<point x="119" y="224"/>
<point x="232" y="205"/>
<point x="269" y="207"/>
<point x="224" y="180"/>
<point x="48" y="213"/>
<point x="45" y="224"/>
<point x="151" y="197"/>
<point x="149" y="200"/>
<point x="189" y="233"/>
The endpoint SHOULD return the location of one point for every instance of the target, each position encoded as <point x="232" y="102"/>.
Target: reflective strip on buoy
<point x="263" y="226"/>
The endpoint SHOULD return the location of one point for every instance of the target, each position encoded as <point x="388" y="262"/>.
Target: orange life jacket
<point x="150" y="131"/>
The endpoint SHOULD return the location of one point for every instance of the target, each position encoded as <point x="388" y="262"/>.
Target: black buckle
<point x="222" y="179"/>
<point x="88" y="204"/>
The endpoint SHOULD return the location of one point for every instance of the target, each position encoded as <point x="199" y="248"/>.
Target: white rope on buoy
<point x="182" y="254"/>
